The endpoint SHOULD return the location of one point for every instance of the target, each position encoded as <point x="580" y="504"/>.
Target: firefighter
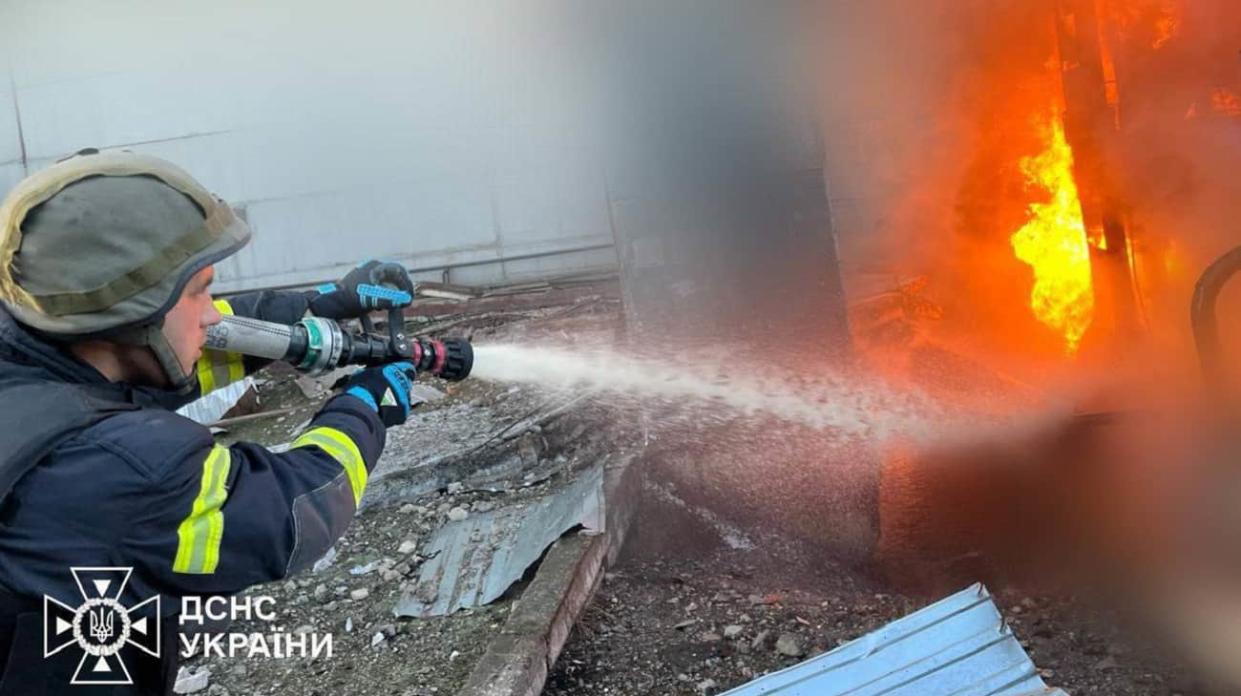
<point x="106" y="262"/>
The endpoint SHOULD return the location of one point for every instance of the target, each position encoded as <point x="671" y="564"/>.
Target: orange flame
<point x="1226" y="102"/>
<point x="1167" y="25"/>
<point x="1158" y="21"/>
<point x="1054" y="242"/>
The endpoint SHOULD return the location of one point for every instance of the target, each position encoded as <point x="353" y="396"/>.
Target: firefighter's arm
<point x="230" y="517"/>
<point x="226" y="518"/>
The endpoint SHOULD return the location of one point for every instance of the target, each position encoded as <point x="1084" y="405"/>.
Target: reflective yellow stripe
<point x="341" y="448"/>
<point x="199" y="535"/>
<point x="217" y="369"/>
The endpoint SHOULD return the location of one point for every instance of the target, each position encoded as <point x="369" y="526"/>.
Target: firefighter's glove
<point x="372" y="285"/>
<point x="385" y="389"/>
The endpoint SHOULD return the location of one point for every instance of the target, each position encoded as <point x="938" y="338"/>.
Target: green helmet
<point x="101" y="245"/>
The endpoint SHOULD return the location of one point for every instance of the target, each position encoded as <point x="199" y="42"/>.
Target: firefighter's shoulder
<point x="154" y="440"/>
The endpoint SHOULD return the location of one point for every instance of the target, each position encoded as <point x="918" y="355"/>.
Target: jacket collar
<point x="19" y="345"/>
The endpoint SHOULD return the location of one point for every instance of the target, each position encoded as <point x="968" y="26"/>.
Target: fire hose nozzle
<point x="315" y="345"/>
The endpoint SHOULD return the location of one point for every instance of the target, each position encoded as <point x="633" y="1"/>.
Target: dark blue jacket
<point x="147" y="489"/>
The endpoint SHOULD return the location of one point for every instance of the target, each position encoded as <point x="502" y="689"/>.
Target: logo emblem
<point x="101" y="626"/>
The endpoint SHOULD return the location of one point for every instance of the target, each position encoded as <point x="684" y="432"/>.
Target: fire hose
<point x="316" y="345"/>
<point x="1202" y="312"/>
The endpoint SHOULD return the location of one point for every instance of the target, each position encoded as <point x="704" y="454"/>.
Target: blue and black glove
<point x="385" y="389"/>
<point x="371" y="286"/>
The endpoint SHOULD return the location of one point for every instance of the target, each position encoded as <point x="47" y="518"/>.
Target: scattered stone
<point x="760" y="640"/>
<point x="304" y="628"/>
<point x="364" y="569"/>
<point x="1106" y="664"/>
<point x="731" y="632"/>
<point x="389" y="575"/>
<point x="407" y="547"/>
<point x="378" y="639"/>
<point x="349" y="625"/>
<point x="685" y="624"/>
<point x="387" y="629"/>
<point x="710" y="638"/>
<point x="323" y="563"/>
<point x="217" y="690"/>
<point x="320" y="594"/>
<point x="188" y="682"/>
<point x="706" y="686"/>
<point x="788" y="644"/>
<point x="359" y="594"/>
<point x="458" y="514"/>
<point x="408" y="508"/>
<point x="239" y="671"/>
<point x="455" y="487"/>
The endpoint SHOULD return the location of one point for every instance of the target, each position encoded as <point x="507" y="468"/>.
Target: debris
<point x="1107" y="664"/>
<point x="224" y="424"/>
<point x="958" y="645"/>
<point x="188" y="682"/>
<point x="359" y="594"/>
<point x="760" y="640"/>
<point x="349" y="625"/>
<point x="731" y="632"/>
<point x="787" y="644"/>
<point x="323" y="563"/>
<point x="423" y="393"/>
<point x="684" y="624"/>
<point x="458" y="514"/>
<point x="710" y="638"/>
<point x="378" y="639"/>
<point x="364" y="569"/>
<point x="212" y="407"/>
<point x="446" y="291"/>
<point x="706" y="686"/>
<point x="473" y="560"/>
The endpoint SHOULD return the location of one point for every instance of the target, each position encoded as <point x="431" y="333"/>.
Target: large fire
<point x="1054" y="242"/>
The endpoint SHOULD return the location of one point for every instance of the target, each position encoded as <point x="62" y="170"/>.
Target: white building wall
<point x="438" y="134"/>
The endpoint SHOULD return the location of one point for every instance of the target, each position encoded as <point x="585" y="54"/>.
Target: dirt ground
<point x="682" y="615"/>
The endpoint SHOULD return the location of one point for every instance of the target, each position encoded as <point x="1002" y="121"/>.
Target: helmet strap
<point x="152" y="336"/>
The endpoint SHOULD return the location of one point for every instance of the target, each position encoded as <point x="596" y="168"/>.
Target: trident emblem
<point x="101" y="625"/>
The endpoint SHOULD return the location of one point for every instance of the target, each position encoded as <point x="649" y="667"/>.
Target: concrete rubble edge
<point x="520" y="657"/>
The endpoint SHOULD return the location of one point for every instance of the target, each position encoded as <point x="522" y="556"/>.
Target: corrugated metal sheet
<point x="959" y="646"/>
<point x="474" y="561"/>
